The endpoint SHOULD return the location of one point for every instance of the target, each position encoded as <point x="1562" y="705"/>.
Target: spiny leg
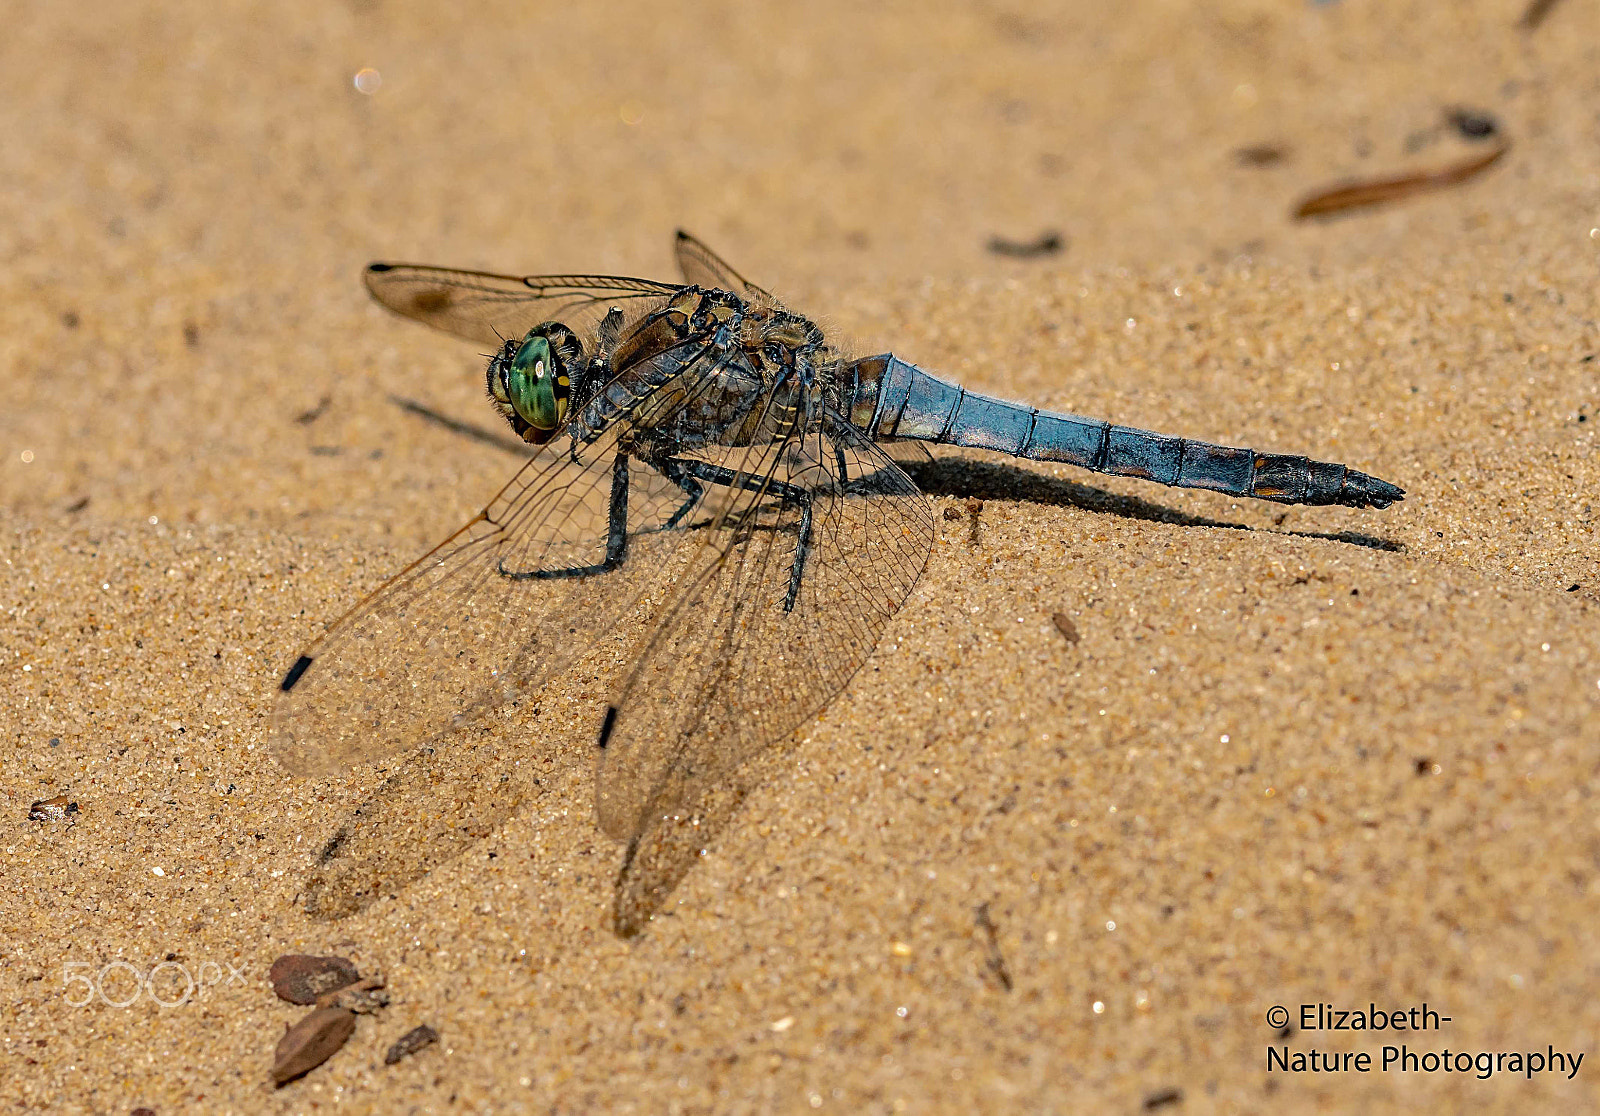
<point x="616" y="533"/>
<point x="672" y="469"/>
<point x="687" y="473"/>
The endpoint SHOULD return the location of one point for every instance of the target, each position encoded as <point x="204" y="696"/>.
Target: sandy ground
<point x="1298" y="755"/>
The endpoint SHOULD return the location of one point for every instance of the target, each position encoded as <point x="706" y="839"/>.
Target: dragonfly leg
<point x="687" y="474"/>
<point x="616" y="534"/>
<point x="673" y="470"/>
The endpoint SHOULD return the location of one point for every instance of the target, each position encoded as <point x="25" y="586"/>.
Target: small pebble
<point x="410" y="1042"/>
<point x="310" y="1042"/>
<point x="300" y="978"/>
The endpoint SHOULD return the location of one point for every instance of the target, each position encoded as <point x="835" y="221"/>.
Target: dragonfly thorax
<point x="530" y="381"/>
<point x="786" y="345"/>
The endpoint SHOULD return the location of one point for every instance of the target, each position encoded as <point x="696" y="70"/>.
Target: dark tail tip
<point x="379" y="267"/>
<point x="610" y="723"/>
<point x="1362" y="491"/>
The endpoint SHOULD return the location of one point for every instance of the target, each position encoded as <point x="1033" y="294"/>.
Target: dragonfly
<point x="713" y="505"/>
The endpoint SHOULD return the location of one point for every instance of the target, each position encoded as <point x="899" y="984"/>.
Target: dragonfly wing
<point x="907" y="454"/>
<point x="703" y="267"/>
<point x="487" y="308"/>
<point x="478" y="620"/>
<point x="728" y="668"/>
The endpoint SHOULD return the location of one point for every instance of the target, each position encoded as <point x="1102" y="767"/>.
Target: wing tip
<point x="609" y="724"/>
<point x="379" y="266"/>
<point x="301" y="665"/>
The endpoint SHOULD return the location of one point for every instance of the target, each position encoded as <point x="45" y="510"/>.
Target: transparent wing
<point x="743" y="651"/>
<point x="518" y="593"/>
<point x="488" y="308"/>
<point x="704" y="268"/>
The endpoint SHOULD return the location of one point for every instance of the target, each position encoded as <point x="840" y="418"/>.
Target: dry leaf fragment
<point x="300" y="977"/>
<point x="310" y="1042"/>
<point x="410" y="1042"/>
<point x="365" y="996"/>
<point x="1066" y="627"/>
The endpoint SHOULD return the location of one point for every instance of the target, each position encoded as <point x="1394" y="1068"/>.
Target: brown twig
<point x="1378" y="191"/>
<point x="996" y="959"/>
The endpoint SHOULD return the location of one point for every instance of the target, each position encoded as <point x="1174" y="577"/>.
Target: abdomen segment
<point x="889" y="398"/>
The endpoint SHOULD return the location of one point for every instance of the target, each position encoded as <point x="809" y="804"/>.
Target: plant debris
<point x="410" y="1042"/>
<point x="1261" y="155"/>
<point x="1066" y="627"/>
<point x="59" y="808"/>
<point x="1534" y="14"/>
<point x="1045" y="244"/>
<point x="364" y="997"/>
<point x="996" y="959"/>
<point x="972" y="508"/>
<point x="301" y="978"/>
<point x="1378" y="191"/>
<point x="310" y="1042"/>
<point x="306" y="418"/>
<point x="1471" y="123"/>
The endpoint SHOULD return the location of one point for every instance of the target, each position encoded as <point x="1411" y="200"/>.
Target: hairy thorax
<point x="759" y="372"/>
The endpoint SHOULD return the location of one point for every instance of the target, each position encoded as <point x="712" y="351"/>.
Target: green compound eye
<point x="538" y="388"/>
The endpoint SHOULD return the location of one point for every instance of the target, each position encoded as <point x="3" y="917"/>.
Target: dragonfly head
<point x="530" y="381"/>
